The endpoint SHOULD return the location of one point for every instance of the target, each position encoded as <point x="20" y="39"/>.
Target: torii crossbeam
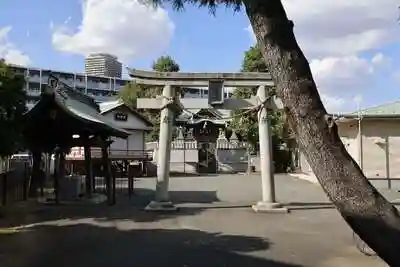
<point x="170" y="104"/>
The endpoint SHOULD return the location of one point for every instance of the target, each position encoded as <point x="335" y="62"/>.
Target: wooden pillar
<point x="26" y="180"/>
<point x="107" y="171"/>
<point x="4" y="177"/>
<point x="89" y="170"/>
<point x="59" y="172"/>
<point x="131" y="180"/>
<point x="114" y="179"/>
<point x="35" y="175"/>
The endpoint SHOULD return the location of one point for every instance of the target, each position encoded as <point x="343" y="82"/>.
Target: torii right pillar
<point x="268" y="202"/>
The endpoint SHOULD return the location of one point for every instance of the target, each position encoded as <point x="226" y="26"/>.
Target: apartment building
<point x="104" y="65"/>
<point x="101" y="88"/>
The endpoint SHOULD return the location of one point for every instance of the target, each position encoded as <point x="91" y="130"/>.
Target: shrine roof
<point x="389" y="110"/>
<point x="217" y="115"/>
<point x="78" y="105"/>
<point x="109" y="106"/>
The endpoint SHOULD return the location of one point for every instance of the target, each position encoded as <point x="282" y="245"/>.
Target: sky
<point x="353" y="46"/>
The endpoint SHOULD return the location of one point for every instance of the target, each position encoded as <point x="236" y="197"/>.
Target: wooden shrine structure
<point x="65" y="118"/>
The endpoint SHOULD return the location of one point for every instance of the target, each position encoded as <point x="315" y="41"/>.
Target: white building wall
<point x="135" y="142"/>
<point x="379" y="149"/>
<point x="133" y="146"/>
<point x="132" y="123"/>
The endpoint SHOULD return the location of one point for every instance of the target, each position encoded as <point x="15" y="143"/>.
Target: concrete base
<point x="267" y="207"/>
<point x="160" y="206"/>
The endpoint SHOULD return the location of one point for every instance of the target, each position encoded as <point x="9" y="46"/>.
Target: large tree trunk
<point x="370" y="215"/>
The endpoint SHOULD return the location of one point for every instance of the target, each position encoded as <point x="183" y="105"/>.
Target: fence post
<point x="26" y="181"/>
<point x="184" y="156"/>
<point x="4" y="187"/>
<point x="114" y="184"/>
<point x="130" y="180"/>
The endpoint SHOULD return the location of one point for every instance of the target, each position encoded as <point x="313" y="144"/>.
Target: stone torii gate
<point x="170" y="104"/>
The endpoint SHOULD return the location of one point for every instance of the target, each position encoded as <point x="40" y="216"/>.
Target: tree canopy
<point x="12" y="108"/>
<point x="131" y="92"/>
<point x="253" y="60"/>
<point x="246" y="125"/>
<point x="165" y="64"/>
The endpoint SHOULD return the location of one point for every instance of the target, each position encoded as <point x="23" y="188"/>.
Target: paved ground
<point x="214" y="227"/>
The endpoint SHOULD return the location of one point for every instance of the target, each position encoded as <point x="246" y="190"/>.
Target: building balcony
<point x="77" y="153"/>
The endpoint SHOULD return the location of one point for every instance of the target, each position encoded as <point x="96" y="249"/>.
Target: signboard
<point x="120" y="116"/>
<point x="52" y="82"/>
<point x="215" y="92"/>
<point x="77" y="153"/>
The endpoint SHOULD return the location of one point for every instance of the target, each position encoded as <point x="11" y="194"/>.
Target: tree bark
<point x="367" y="212"/>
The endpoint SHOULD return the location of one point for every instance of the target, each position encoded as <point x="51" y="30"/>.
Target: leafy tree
<point x="370" y="215"/>
<point x="131" y="92"/>
<point x="165" y="64"/>
<point x="12" y="108"/>
<point x="246" y="125"/>
<point x="253" y="60"/>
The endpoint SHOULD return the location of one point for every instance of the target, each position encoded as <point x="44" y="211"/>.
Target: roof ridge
<point x="79" y="96"/>
<point x="378" y="106"/>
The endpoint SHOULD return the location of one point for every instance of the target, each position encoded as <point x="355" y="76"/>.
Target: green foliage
<point x="246" y="125"/>
<point x="12" y="108"/>
<point x="165" y="64"/>
<point x="131" y="92"/>
<point x="253" y="61"/>
<point x="211" y="4"/>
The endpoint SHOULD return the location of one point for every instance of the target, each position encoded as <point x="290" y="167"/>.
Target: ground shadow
<point x="309" y="205"/>
<point x="317" y="205"/>
<point x="179" y="197"/>
<point x="127" y="207"/>
<point x="104" y="245"/>
<point x="142" y="196"/>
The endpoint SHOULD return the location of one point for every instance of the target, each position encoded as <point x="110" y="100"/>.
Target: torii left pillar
<point x="162" y="201"/>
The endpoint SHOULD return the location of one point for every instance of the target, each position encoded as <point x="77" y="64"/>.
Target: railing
<point x="79" y="154"/>
<point x="13" y="186"/>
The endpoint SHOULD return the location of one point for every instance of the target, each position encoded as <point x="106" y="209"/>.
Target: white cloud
<point x="381" y="60"/>
<point x="340" y="78"/>
<point x="9" y="52"/>
<point x="333" y="74"/>
<point x="333" y="35"/>
<point x="332" y="104"/>
<point x="343" y="27"/>
<point x="125" y="28"/>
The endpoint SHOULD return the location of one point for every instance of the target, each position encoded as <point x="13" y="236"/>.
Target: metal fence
<point x="77" y="153"/>
<point x="223" y="156"/>
<point x="121" y="186"/>
<point x="193" y="157"/>
<point x="13" y="186"/>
